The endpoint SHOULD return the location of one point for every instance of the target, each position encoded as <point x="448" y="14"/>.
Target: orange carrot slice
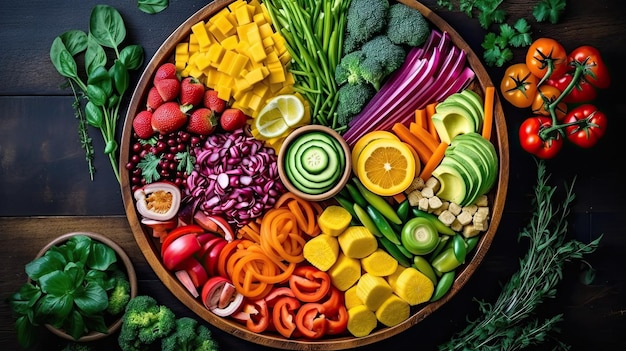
<point x="434" y="161"/>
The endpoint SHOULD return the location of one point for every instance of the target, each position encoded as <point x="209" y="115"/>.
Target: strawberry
<point x="142" y="125"/>
<point x="154" y="99"/>
<point x="169" y="117"/>
<point x="165" y="71"/>
<point x="233" y="119"/>
<point x="212" y="101"/>
<point x="168" y="88"/>
<point x="202" y="121"/>
<point x="191" y="91"/>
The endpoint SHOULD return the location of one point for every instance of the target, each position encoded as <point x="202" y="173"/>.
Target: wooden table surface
<point x="45" y="188"/>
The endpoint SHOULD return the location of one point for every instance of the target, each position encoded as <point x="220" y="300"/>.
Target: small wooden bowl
<point x="150" y="246"/>
<point x="130" y="273"/>
<point x="283" y="151"/>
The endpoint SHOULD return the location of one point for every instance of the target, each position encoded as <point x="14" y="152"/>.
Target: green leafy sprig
<point x="498" y="43"/>
<point x="104" y="83"/>
<point x="511" y="323"/>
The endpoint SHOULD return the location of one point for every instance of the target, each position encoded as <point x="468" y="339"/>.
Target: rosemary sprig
<point x="510" y="323"/>
<point x="83" y="132"/>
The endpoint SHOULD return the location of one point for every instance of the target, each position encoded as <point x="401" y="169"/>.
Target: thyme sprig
<point x="510" y="323"/>
<point x="86" y="142"/>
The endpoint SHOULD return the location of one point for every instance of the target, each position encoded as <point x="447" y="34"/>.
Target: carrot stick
<point x="425" y="136"/>
<point x="434" y="161"/>
<point x="420" y="118"/>
<point x="430" y="111"/>
<point x="405" y="135"/>
<point x="488" y="119"/>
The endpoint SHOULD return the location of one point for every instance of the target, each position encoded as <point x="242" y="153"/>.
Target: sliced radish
<point x="185" y="279"/>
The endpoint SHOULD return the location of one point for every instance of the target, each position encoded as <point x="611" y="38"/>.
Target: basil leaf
<point x="59" y="306"/>
<point x="94" y="115"/>
<point x="57" y="283"/>
<point x="75" y="324"/>
<point x="42" y="266"/>
<point x="80" y="248"/>
<point x="26" y="332"/>
<point x="110" y="146"/>
<point x="120" y="76"/>
<point x="107" y="26"/>
<point x="101" y="257"/>
<point x="75" y="41"/>
<point x="132" y="56"/>
<point x="101" y="78"/>
<point x="152" y="6"/>
<point x="95" y="56"/>
<point x="62" y="59"/>
<point x="97" y="96"/>
<point x="91" y="299"/>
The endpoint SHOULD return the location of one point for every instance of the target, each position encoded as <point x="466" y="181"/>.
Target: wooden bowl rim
<point x="148" y="247"/>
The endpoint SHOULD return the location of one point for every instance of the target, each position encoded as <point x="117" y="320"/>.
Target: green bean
<point x="443" y="286"/>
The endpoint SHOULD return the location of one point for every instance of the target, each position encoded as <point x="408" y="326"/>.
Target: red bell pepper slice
<point x="179" y="250"/>
<point x="179" y="231"/>
<point x="284" y="315"/>
<point x="309" y="284"/>
<point x="311" y="321"/>
<point x="254" y="314"/>
<point x="337" y="323"/>
<point x="333" y="300"/>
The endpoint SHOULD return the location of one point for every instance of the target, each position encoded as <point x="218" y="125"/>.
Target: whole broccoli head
<point x="351" y="98"/>
<point x="384" y="52"/>
<point x="189" y="335"/>
<point x="406" y="25"/>
<point x="364" y="20"/>
<point x="144" y="322"/>
<point x="119" y="295"/>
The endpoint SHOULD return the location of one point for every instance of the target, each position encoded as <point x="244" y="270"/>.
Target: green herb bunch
<point x="70" y="288"/>
<point x="510" y="323"/>
<point x="99" y="91"/>
<point x="498" y="44"/>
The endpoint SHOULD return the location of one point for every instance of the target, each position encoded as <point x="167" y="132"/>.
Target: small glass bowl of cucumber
<point x="314" y="162"/>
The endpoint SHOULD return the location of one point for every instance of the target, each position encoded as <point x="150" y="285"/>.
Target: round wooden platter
<point x="150" y="249"/>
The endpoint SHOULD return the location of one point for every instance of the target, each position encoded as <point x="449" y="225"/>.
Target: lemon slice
<point x="279" y="115"/>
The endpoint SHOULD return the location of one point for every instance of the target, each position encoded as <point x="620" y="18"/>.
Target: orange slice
<point x="366" y="139"/>
<point x="386" y="166"/>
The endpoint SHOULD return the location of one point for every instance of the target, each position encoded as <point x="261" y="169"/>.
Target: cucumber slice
<point x="315" y="159"/>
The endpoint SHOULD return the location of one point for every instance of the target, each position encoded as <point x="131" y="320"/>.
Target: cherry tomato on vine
<point x="547" y="58"/>
<point x="547" y="94"/>
<point x="583" y="91"/>
<point x="591" y="129"/>
<point x="596" y="71"/>
<point x="534" y="142"/>
<point x="519" y="86"/>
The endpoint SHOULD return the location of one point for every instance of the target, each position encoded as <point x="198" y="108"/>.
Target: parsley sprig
<point x="498" y="43"/>
<point x="511" y="323"/>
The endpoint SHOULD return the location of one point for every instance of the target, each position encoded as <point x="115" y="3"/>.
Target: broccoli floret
<point x="406" y="25"/>
<point x="188" y="335"/>
<point x="364" y="20"/>
<point x="356" y="68"/>
<point x="351" y="98"/>
<point x="119" y="295"/>
<point x="144" y="322"/>
<point x="384" y="52"/>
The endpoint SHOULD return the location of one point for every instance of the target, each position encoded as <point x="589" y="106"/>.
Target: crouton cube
<point x="414" y="197"/>
<point x="447" y="217"/>
<point x="423" y="204"/>
<point x="433" y="183"/>
<point x="434" y="203"/>
<point x="470" y="208"/>
<point x="464" y="218"/>
<point x="470" y="231"/>
<point x="482" y="200"/>
<point x="428" y="192"/>
<point x="454" y="208"/>
<point x="416" y="184"/>
<point x="456" y="225"/>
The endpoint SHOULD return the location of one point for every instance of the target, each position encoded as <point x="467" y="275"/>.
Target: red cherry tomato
<point x="532" y="140"/>
<point x="546" y="58"/>
<point x="581" y="92"/>
<point x="590" y="129"/>
<point x="595" y="70"/>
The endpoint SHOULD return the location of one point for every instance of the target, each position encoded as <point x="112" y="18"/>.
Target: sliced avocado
<point x="473" y="173"/>
<point x="452" y="119"/>
<point x="482" y="149"/>
<point x="476" y="100"/>
<point x="452" y="184"/>
<point x="468" y="103"/>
